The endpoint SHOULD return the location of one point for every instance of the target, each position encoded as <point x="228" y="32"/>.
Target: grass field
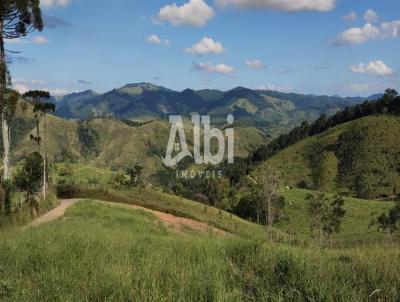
<point x="101" y="252"/>
<point x="359" y="214"/>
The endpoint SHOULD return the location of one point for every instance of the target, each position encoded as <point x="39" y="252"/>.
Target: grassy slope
<point x="358" y="217"/>
<point x="380" y="139"/>
<point x="104" y="253"/>
<point x="359" y="214"/>
<point x="121" y="145"/>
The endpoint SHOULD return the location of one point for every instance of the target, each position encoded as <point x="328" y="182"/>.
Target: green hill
<point x="356" y="223"/>
<point x="359" y="158"/>
<point x="112" y="143"/>
<point x="102" y="252"/>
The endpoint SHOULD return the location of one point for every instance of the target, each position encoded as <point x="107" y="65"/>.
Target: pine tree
<point x="17" y="19"/>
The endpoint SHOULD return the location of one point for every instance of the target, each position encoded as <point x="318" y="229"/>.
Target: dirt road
<point x="179" y="224"/>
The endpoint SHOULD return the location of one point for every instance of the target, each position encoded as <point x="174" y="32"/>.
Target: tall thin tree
<point x="44" y="108"/>
<point x="17" y="19"/>
<point x="41" y="108"/>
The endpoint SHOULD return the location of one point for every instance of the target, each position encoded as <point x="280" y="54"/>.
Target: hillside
<point x="356" y="223"/>
<point x="358" y="158"/>
<point x="131" y="255"/>
<point x="272" y="112"/>
<point x="115" y="144"/>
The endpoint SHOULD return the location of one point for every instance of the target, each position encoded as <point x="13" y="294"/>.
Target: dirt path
<point x="178" y="224"/>
<point x="55" y="213"/>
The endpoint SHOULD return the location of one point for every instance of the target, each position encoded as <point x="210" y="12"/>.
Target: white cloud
<point x="40" y="40"/>
<point x="273" y="87"/>
<point x="370" y="16"/>
<point x="35" y="40"/>
<point x="17" y="41"/>
<point x="357" y="35"/>
<point x="211" y="68"/>
<point x="38" y="82"/>
<point x="377" y="67"/>
<point x="57" y="91"/>
<point x="194" y="13"/>
<point x="206" y="46"/>
<point x="27" y="81"/>
<point x="285" y="5"/>
<point x="360" y="87"/>
<point x="50" y="3"/>
<point x="21" y="88"/>
<point x="154" y="39"/>
<point x="255" y="64"/>
<point x="391" y="29"/>
<point x="352" y="16"/>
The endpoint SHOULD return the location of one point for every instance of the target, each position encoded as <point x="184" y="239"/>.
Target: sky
<point x="332" y="47"/>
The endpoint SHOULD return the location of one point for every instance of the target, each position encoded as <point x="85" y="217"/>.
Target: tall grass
<point x="100" y="252"/>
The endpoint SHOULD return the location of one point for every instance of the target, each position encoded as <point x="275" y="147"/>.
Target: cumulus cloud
<point x="352" y="16"/>
<point x="154" y="39"/>
<point x="285" y="5"/>
<point x="50" y="3"/>
<point x="391" y="29"/>
<point x="206" y="46"/>
<point x="255" y="64"/>
<point x="273" y="87"/>
<point x="377" y="67"/>
<point x="194" y="13"/>
<point x="21" y="88"/>
<point x="40" y="40"/>
<point x="211" y="68"/>
<point x="370" y="16"/>
<point x="357" y="35"/>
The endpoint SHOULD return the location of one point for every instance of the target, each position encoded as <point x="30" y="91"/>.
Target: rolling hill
<point x="272" y="112"/>
<point x="359" y="158"/>
<point x="113" y="143"/>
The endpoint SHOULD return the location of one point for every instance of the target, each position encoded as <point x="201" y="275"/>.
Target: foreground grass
<point x="171" y="204"/>
<point x="110" y="253"/>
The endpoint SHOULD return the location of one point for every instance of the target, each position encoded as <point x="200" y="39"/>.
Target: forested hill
<point x="389" y="103"/>
<point x="269" y="111"/>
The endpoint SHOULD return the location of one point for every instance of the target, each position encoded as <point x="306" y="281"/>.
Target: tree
<point x="268" y="183"/>
<point x="7" y="188"/>
<point x="389" y="222"/>
<point x="8" y="105"/>
<point x="29" y="179"/>
<point x="44" y="108"/>
<point x="17" y="19"/>
<point x="326" y="215"/>
<point x="41" y="108"/>
<point x="36" y="97"/>
<point x="134" y="174"/>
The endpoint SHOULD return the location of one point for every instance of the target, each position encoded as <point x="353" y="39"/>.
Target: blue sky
<point x="305" y="46"/>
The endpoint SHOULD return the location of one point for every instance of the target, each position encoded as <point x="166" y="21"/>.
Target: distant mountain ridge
<point x="270" y="111"/>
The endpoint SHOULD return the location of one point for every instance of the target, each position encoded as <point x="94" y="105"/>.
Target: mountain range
<point x="269" y="111"/>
